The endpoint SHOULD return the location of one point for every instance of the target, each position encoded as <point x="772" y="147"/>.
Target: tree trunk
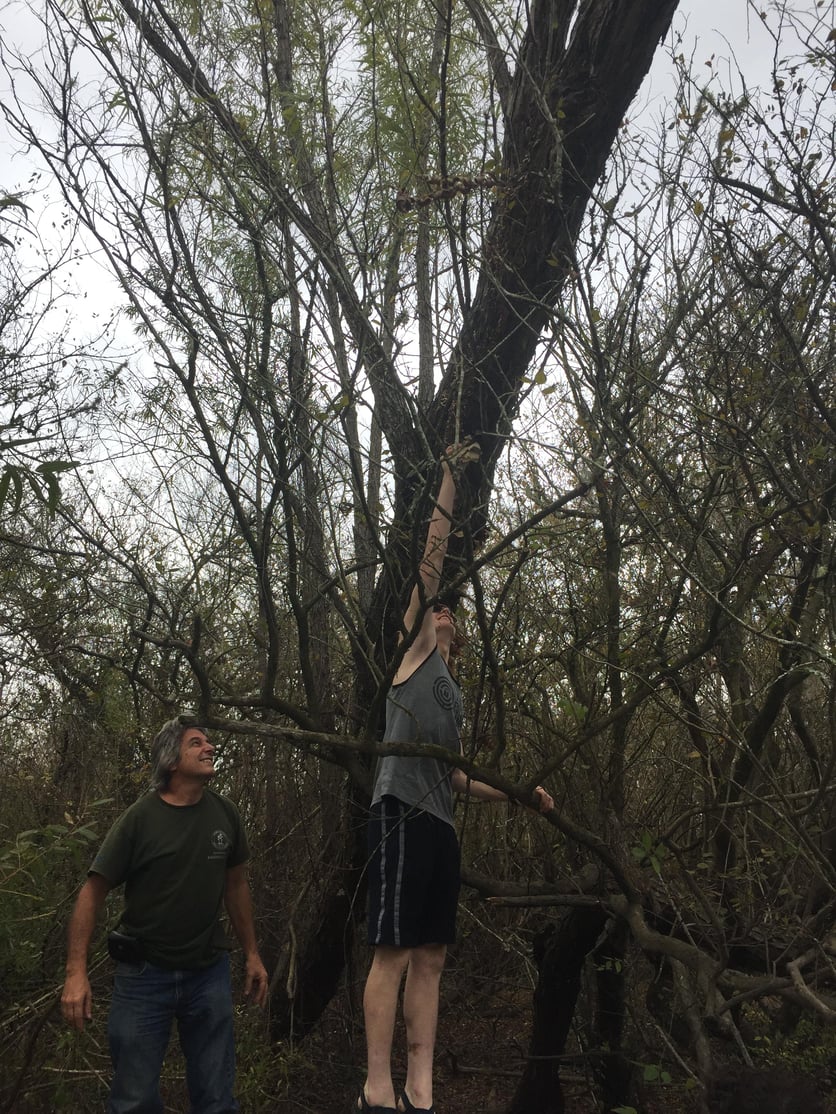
<point x="559" y="951"/>
<point x="615" y="1075"/>
<point x="322" y="939"/>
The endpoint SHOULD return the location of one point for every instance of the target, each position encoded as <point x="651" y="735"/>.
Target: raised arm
<point x="432" y="561"/>
<point x="77" y="997"/>
<point x="435" y="547"/>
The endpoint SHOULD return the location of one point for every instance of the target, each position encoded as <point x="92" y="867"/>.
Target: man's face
<point x="443" y="617"/>
<point x="196" y="755"/>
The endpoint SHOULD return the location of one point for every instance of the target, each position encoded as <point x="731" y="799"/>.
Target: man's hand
<point x="77" y="1000"/>
<point x="255" y="982"/>
<point x="545" y="803"/>
<point x="455" y="458"/>
<point x="77" y="997"/>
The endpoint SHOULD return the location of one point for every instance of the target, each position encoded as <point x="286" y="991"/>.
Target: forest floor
<point x="483" y="1040"/>
<point x="478" y="1067"/>
<point x="479" y="1061"/>
<point x="481" y="1050"/>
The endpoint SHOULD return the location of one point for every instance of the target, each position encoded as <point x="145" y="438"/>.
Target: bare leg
<point x="380" y="1003"/>
<point x="420" y="1011"/>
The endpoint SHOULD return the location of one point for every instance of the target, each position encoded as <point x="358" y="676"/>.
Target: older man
<point x="180" y="851"/>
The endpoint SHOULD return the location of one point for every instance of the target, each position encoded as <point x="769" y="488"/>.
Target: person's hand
<point x="77" y="1000"/>
<point x="255" y="980"/>
<point x="545" y="803"/>
<point x="455" y="458"/>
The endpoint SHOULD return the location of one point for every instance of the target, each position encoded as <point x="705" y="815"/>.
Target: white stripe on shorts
<point x="386" y="849"/>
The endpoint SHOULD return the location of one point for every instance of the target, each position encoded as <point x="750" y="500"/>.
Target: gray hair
<point x="165" y="752"/>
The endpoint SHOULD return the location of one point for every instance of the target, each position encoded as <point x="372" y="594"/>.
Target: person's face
<point x="444" y="621"/>
<point x="196" y="755"/>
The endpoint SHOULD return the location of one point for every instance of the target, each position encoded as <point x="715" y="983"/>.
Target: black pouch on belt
<point x="124" y="948"/>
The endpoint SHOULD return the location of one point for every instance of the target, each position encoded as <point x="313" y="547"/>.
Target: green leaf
<point x="16" y="481"/>
<point x="13" y="199"/>
<point x="53" y="493"/>
<point x="51" y="467"/>
<point x="5" y="480"/>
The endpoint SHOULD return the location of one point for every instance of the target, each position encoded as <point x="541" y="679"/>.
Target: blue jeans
<point x="145" y="1001"/>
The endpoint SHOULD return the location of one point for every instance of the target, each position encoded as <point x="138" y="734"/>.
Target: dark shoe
<point x="362" y="1107"/>
<point x="408" y="1108"/>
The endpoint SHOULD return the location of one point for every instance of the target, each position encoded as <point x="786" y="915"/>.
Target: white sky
<point x="719" y="29"/>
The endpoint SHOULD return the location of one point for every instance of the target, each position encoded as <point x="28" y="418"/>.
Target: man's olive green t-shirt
<point x="173" y="860"/>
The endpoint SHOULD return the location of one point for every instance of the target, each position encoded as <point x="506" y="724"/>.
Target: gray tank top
<point x="426" y="708"/>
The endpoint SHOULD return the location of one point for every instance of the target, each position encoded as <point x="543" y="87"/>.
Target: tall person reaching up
<point x="413" y="866"/>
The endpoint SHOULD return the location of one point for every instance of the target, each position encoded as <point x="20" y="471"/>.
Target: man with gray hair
<point x="181" y="852"/>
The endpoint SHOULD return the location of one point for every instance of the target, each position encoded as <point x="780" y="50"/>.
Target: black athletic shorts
<point x="414" y="881"/>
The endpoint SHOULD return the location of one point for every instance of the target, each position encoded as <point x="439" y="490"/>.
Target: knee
<point x="389" y="962"/>
<point x="428" y="962"/>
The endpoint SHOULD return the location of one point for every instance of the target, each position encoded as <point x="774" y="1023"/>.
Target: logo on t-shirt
<point x="447" y="696"/>
<point x="221" y="843"/>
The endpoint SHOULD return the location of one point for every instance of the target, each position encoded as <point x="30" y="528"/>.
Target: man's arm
<point x="483" y="792"/>
<point x="432" y="562"/>
<point x="239" y="906"/>
<point x="77" y="997"/>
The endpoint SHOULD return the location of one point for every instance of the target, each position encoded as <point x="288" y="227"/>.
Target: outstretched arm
<point x="483" y="792"/>
<point x="435" y="548"/>
<point x="432" y="562"/>
<point x="77" y="997"/>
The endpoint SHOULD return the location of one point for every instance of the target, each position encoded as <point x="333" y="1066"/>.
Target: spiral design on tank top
<point x="444" y="693"/>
